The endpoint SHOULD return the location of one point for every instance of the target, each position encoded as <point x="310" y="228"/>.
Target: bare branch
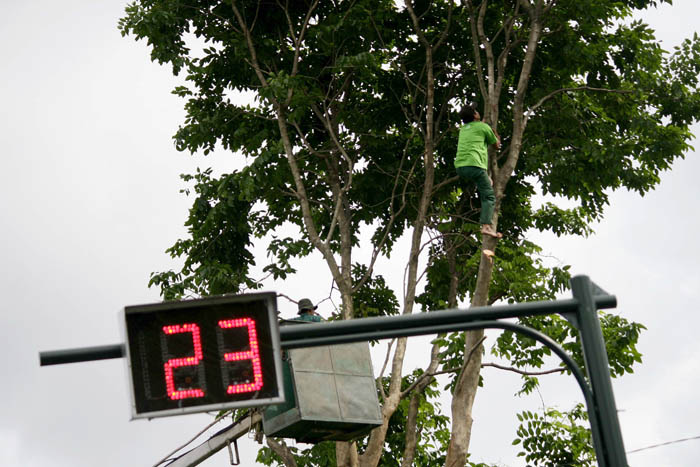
<point x="414" y="116"/>
<point x="549" y="6"/>
<point x="311" y="230"/>
<point x="416" y="25"/>
<point x="527" y="6"/>
<point x="489" y="53"/>
<point x="381" y="373"/>
<point x="392" y="218"/>
<point x="447" y="181"/>
<point x="304" y="27"/>
<point x="477" y="50"/>
<point x="502" y="60"/>
<point x="297" y="41"/>
<point x="249" y="42"/>
<point x="412" y="433"/>
<point x="539" y="103"/>
<point x="432" y="366"/>
<point x="290" y="24"/>
<point x="282" y="450"/>
<point x="496" y="297"/>
<point x="472" y="350"/>
<point x="376" y="441"/>
<point x="523" y="372"/>
<point x="255" y="18"/>
<point x="307" y="145"/>
<point x="519" y="119"/>
<point x="501" y="367"/>
<point x="330" y="127"/>
<point x="443" y="34"/>
<point x="287" y="297"/>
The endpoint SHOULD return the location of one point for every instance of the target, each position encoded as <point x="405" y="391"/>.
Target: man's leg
<point x="479" y="177"/>
<point x="488" y="201"/>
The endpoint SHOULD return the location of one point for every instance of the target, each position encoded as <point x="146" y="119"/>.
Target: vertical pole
<point x="598" y="369"/>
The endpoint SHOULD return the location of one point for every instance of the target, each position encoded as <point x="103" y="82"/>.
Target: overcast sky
<point x="89" y="184"/>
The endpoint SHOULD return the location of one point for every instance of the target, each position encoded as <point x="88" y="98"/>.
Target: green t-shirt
<point x="474" y="137"/>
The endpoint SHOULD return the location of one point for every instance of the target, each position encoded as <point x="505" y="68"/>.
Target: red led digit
<point x="173" y="363"/>
<point x="253" y="355"/>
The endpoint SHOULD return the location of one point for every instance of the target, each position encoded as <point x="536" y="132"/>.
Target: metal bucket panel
<point x="351" y="359"/>
<point x="317" y="396"/>
<point x="314" y="359"/>
<point x="334" y="392"/>
<point x="357" y="398"/>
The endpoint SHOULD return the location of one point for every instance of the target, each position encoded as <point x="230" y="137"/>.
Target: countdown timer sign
<point x="203" y="355"/>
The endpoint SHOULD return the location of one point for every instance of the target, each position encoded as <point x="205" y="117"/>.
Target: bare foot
<point x="489" y="231"/>
<point x="489" y="255"/>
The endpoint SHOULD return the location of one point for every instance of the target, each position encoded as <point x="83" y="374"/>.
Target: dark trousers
<point x="480" y="178"/>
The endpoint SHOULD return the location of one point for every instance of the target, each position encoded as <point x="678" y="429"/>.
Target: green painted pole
<point x="598" y="369"/>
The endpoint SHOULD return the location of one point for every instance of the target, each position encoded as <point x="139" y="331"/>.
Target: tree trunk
<point x="346" y="454"/>
<point x="468" y="380"/>
<point x="463" y="401"/>
<point x="375" y="447"/>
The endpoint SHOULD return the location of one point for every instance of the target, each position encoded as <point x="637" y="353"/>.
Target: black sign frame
<point x="212" y="331"/>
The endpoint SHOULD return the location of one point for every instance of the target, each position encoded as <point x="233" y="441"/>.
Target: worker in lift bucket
<point x="307" y="311"/>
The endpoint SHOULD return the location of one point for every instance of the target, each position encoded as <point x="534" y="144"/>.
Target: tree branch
<point x="282" y="450"/>
<point x="539" y="103"/>
<point x="412" y="433"/>
<point x="381" y="373"/>
<point x="429" y="372"/>
<point x="501" y="367"/>
<point x="488" y="50"/>
<point x="301" y="195"/>
<point x="392" y="218"/>
<point x="477" y="50"/>
<point x="505" y="172"/>
<point x="443" y="34"/>
<point x="447" y="181"/>
<point x="523" y="372"/>
<point x="297" y="43"/>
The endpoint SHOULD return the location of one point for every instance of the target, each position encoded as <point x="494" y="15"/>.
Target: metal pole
<point x="219" y="440"/>
<point x="336" y="332"/>
<point x="600" y="401"/>
<point x="598" y="369"/>
<point x="84" y="354"/>
<point x="340" y="331"/>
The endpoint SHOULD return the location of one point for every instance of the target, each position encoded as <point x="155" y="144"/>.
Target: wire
<point x="664" y="444"/>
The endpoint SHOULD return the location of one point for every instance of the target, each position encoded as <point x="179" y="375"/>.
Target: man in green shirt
<point x="471" y="162"/>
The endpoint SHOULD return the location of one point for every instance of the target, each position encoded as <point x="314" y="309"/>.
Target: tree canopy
<point x="352" y="129"/>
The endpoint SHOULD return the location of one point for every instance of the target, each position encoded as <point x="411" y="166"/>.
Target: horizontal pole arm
<point x="354" y="330"/>
<point x="383" y="327"/>
<point x="84" y="354"/>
